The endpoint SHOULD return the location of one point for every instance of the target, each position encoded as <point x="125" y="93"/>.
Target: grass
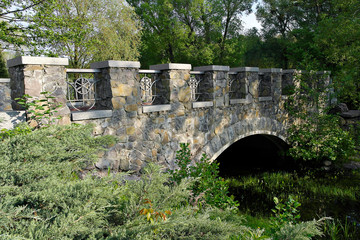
<point x="333" y="194"/>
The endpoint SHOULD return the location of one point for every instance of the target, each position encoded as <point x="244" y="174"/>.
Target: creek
<point x="262" y="172"/>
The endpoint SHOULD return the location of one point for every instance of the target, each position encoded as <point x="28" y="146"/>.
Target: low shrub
<point x="42" y="197"/>
<point x="208" y="185"/>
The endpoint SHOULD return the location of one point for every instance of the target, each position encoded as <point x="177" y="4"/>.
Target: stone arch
<point x="255" y="152"/>
<point x="239" y="130"/>
<point x="252" y="133"/>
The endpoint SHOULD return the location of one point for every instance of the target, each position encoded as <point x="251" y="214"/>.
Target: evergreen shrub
<point x="43" y="197"/>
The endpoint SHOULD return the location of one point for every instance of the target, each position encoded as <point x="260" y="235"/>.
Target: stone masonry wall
<point x="153" y="133"/>
<point x="32" y="77"/>
<point x="155" y="136"/>
<point x="5" y="95"/>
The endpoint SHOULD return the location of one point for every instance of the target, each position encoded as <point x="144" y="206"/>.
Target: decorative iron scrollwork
<point x="146" y="86"/>
<point x="81" y="94"/>
<point x="194" y="84"/>
<point x="230" y="81"/>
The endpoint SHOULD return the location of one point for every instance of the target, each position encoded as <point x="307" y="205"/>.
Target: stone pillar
<point x="5" y="94"/>
<point x="118" y="87"/>
<point x="270" y="84"/>
<point x="290" y="80"/>
<point x="173" y="86"/>
<point x="249" y="79"/>
<point x="33" y="75"/>
<point x="216" y="83"/>
<point x="324" y="87"/>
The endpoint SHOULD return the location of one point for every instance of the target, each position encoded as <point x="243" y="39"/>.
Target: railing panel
<point x="148" y="86"/>
<point x="81" y="89"/>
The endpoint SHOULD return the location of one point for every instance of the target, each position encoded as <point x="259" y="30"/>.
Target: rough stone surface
<point x="32" y="79"/>
<point x="8" y="119"/>
<point x="339" y="108"/>
<point x="5" y="95"/>
<point x="153" y="133"/>
<point x="350" y="114"/>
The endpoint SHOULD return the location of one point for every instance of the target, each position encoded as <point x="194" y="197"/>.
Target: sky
<point x="249" y="21"/>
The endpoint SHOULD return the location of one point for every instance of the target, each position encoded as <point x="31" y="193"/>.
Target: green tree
<point x="15" y="27"/>
<point x="83" y="30"/>
<point x="338" y="37"/>
<point x="278" y="18"/>
<point x="89" y="30"/>
<point x="316" y="136"/>
<point x="197" y="32"/>
<point x="3" y="70"/>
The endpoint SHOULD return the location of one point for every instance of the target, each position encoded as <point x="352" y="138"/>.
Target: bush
<point x="20" y="129"/>
<point x="314" y="135"/>
<point x="319" y="138"/>
<point x="208" y="185"/>
<point x="42" y="197"/>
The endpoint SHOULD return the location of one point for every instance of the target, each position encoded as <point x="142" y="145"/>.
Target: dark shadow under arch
<point x="253" y="154"/>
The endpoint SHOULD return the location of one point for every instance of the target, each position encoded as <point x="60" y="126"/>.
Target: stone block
<point x="91" y="114"/>
<point x="131" y="108"/>
<point x="122" y="90"/>
<point x="27" y="60"/>
<point x="184" y="94"/>
<point x="118" y="102"/>
<point x="115" y="64"/>
<point x="245" y="69"/>
<point x="202" y="104"/>
<point x="350" y="114"/>
<point x="156" y="108"/>
<point x="9" y="119"/>
<point x="212" y="68"/>
<point x="130" y="130"/>
<point x="171" y="66"/>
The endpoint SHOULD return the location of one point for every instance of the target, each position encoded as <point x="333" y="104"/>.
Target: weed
<point x="40" y="111"/>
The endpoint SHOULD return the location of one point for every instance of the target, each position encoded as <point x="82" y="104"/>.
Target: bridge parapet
<point x="210" y="107"/>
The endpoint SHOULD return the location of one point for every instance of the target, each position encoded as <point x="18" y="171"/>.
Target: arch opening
<point x="254" y="154"/>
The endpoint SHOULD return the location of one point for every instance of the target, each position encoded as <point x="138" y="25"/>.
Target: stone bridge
<point x="152" y="111"/>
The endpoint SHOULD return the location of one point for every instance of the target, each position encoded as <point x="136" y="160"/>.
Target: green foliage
<point x="46" y="194"/>
<point x="314" y="135"/>
<point x="338" y="36"/>
<point x="83" y="30"/>
<point x="21" y="129"/>
<point x="41" y="111"/>
<point x="198" y="32"/>
<point x="320" y="138"/>
<point x="13" y="32"/>
<point x="42" y="197"/>
<point x="309" y="188"/>
<point x="285" y="212"/>
<point x="300" y="231"/>
<point x="208" y="185"/>
<point x="3" y="70"/>
<point x="335" y="229"/>
<point x="286" y="225"/>
<point x="319" y="193"/>
<point x="256" y="234"/>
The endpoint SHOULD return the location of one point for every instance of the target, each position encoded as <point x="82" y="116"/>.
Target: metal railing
<point x="81" y="90"/>
<point x="148" y="86"/>
<point x="194" y="85"/>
